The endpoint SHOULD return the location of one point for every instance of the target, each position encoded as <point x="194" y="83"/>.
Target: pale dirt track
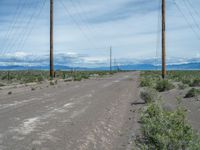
<point x="88" y="115"/>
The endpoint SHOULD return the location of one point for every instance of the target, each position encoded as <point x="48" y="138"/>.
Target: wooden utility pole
<point x="163" y="39"/>
<point x="110" y="59"/>
<point x="51" y="40"/>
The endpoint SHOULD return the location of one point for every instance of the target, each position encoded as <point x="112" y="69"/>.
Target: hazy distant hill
<point x="188" y="66"/>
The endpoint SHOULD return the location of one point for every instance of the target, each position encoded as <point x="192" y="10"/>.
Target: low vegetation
<point x="190" y="78"/>
<point x="145" y="82"/>
<point x="164" y="85"/>
<point x="166" y="130"/>
<point x="192" y="93"/>
<point x="182" y="86"/>
<point x="23" y="77"/>
<point x="149" y="95"/>
<point x="195" y="82"/>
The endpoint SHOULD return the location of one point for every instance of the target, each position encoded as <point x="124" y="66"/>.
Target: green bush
<point x="195" y="83"/>
<point x="145" y="82"/>
<point x="192" y="93"/>
<point x="164" y="85"/>
<point x="52" y="83"/>
<point x="182" y="86"/>
<point x="149" y="95"/>
<point x="164" y="130"/>
<point x="40" y="79"/>
<point x="77" y="78"/>
<point x="186" y="81"/>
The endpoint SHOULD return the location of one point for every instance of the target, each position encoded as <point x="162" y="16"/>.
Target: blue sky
<point x="85" y="29"/>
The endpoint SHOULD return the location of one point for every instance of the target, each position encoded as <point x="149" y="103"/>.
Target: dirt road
<point x="89" y="115"/>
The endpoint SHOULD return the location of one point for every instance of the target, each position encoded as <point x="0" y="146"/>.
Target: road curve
<point x="88" y="115"/>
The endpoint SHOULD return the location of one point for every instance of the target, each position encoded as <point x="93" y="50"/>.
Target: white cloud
<point x="130" y="26"/>
<point x="77" y="60"/>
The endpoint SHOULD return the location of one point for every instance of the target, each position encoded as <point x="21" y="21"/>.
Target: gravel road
<point x="93" y="114"/>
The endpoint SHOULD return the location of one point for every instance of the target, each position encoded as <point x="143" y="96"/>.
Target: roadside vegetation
<point x="189" y="80"/>
<point x="23" y="77"/>
<point x="167" y="128"/>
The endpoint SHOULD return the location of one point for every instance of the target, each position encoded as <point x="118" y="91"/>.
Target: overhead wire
<point x="12" y="25"/>
<point x="25" y="29"/>
<point x="82" y="19"/>
<point x="22" y="17"/>
<point x="195" y="10"/>
<point x="191" y="14"/>
<point x="33" y="24"/>
<point x="186" y="19"/>
<point x="77" y="24"/>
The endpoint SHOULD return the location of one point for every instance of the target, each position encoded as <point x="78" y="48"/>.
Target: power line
<point x="187" y="21"/>
<point x="19" y="19"/>
<point x="82" y="18"/>
<point x="191" y="14"/>
<point x="76" y="23"/>
<point x="85" y="17"/>
<point x="25" y="31"/>
<point x="13" y="24"/>
<point x="31" y="29"/>
<point x="195" y="10"/>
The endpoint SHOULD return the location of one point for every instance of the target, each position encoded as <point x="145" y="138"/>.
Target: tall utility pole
<point x="51" y="40"/>
<point x="163" y="39"/>
<point x="110" y="59"/>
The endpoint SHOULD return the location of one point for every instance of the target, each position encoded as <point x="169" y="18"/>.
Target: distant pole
<point x="114" y="64"/>
<point x="110" y="59"/>
<point x="51" y="40"/>
<point x="163" y="39"/>
<point x="8" y="76"/>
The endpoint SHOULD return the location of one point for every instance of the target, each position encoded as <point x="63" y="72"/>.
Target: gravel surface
<point x="92" y="114"/>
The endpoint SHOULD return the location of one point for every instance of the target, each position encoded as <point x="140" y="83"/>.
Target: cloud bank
<point x="77" y="60"/>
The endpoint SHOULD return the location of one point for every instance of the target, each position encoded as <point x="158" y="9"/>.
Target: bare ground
<point x="88" y="115"/>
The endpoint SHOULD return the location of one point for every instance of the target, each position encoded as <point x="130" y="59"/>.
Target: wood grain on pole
<point x="51" y="40"/>
<point x="163" y="40"/>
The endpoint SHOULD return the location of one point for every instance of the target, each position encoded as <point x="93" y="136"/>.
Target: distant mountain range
<point x="186" y="66"/>
<point x="26" y="61"/>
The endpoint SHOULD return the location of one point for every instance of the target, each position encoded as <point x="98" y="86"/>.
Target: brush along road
<point x="94" y="114"/>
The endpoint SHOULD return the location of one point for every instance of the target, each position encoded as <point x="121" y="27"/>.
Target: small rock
<point x="9" y="93"/>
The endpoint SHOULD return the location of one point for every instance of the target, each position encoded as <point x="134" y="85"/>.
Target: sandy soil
<point x="192" y="105"/>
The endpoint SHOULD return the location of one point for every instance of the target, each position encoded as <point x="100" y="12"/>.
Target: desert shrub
<point x="77" y="78"/>
<point x="182" y="86"/>
<point x="52" y="83"/>
<point x="145" y="82"/>
<point x="149" y="95"/>
<point x="186" y="81"/>
<point x="192" y="93"/>
<point x="195" y="82"/>
<point x="164" y="85"/>
<point x="4" y="77"/>
<point x="29" y="79"/>
<point x="40" y="79"/>
<point x="85" y="76"/>
<point x="164" y="130"/>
